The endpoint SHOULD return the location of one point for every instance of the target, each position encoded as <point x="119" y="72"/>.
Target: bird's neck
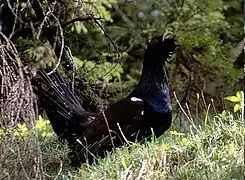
<point x="153" y="88"/>
<point x="153" y="73"/>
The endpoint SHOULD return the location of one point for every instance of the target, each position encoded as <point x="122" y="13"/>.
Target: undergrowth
<point x="212" y="150"/>
<point x="214" y="153"/>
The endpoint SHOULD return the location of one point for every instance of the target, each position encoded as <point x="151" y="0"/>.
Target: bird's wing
<point x="120" y="119"/>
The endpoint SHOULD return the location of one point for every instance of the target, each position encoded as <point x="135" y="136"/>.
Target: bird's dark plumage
<point x="148" y="106"/>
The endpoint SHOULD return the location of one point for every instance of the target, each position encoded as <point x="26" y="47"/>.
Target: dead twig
<point x="79" y="19"/>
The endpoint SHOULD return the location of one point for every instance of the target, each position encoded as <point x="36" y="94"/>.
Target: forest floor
<point x="215" y="151"/>
<point x="211" y="150"/>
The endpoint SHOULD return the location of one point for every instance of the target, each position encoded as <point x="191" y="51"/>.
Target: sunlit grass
<point x="211" y="149"/>
<point x="215" y="153"/>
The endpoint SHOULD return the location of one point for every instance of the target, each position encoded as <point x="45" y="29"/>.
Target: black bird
<point x="148" y="106"/>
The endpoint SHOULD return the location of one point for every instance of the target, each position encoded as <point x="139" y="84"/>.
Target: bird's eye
<point x="153" y="42"/>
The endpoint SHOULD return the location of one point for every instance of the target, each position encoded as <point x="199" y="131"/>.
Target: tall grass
<point x="216" y="152"/>
<point x="210" y="149"/>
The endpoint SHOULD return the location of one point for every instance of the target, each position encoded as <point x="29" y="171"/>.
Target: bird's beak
<point x="167" y="35"/>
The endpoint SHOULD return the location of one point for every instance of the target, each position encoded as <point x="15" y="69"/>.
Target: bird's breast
<point x="158" y="98"/>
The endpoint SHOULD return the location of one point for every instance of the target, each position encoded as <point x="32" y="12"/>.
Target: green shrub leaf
<point x="223" y="114"/>
<point x="237" y="107"/>
<point x="233" y="99"/>
<point x="239" y="94"/>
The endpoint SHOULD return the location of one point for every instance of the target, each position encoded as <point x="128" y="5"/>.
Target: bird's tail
<point x="58" y="101"/>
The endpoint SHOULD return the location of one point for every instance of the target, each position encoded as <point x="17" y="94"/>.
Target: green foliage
<point x="103" y="72"/>
<point x="36" y="53"/>
<point x="43" y="129"/>
<point x="238" y="99"/>
<point x="96" y="8"/>
<point x="203" y="29"/>
<point x="25" y="152"/>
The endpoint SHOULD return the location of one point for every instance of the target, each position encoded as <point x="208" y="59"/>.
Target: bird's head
<point x="159" y="49"/>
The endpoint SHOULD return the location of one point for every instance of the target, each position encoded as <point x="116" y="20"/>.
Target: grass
<point x="213" y="150"/>
<point x="215" y="153"/>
